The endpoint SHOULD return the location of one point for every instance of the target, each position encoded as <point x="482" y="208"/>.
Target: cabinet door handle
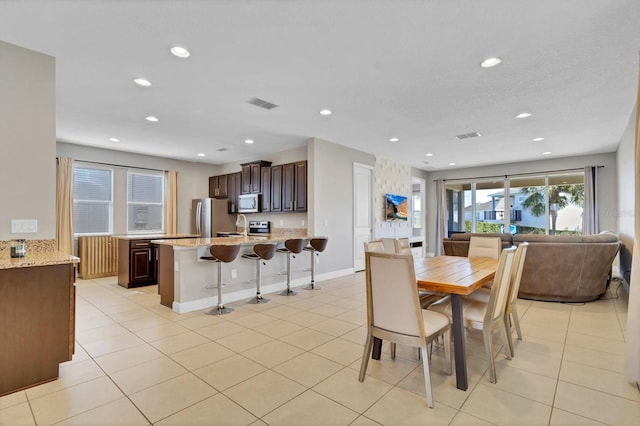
<point x="295" y="205"/>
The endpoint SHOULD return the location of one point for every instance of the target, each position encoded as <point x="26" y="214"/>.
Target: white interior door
<point x="362" y="212"/>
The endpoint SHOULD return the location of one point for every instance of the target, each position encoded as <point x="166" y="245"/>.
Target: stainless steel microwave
<point x="249" y="203"/>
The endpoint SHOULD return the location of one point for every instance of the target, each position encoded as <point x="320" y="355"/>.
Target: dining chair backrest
<point x="375" y="245"/>
<point x="391" y="277"/>
<point x="516" y="272"/>
<point x="500" y="289"/>
<point x="488" y="247"/>
<point x="402" y="246"/>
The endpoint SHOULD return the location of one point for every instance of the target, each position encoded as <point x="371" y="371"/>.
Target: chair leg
<point x="427" y="375"/>
<point x="393" y="350"/>
<point x="506" y="336"/>
<point x="365" y="357"/>
<point x="486" y="332"/>
<point x="516" y="321"/>
<point x="447" y="350"/>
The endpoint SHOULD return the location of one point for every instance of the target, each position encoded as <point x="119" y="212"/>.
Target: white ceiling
<point x="408" y="69"/>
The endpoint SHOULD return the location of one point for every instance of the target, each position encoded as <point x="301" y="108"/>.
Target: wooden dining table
<point x="456" y="276"/>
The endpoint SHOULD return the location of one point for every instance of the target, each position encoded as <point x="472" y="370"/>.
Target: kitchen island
<point x="37" y="316"/>
<point x="187" y="283"/>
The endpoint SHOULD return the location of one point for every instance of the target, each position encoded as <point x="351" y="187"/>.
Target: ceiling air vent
<point x="468" y="136"/>
<point x="262" y="103"/>
<point x="222" y="149"/>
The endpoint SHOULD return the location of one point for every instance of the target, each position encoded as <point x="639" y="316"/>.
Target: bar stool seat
<point x="316" y="246"/>
<point x="291" y="247"/>
<point x="261" y="252"/>
<point x="221" y="253"/>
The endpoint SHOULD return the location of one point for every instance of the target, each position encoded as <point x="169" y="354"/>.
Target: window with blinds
<point x="92" y="200"/>
<point x="145" y="201"/>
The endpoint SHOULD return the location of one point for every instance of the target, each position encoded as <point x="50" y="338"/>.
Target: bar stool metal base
<point x="288" y="292"/>
<point x="256" y="300"/>
<point x="312" y="286"/>
<point x="220" y="310"/>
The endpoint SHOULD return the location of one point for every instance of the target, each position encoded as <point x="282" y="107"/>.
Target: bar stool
<point x="316" y="246"/>
<point x="261" y="252"/>
<point x="291" y="246"/>
<point x="221" y="253"/>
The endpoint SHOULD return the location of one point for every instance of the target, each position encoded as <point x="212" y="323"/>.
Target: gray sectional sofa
<point x="558" y="268"/>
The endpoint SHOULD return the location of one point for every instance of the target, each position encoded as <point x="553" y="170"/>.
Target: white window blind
<point x="92" y="200"/>
<point x="145" y="201"/>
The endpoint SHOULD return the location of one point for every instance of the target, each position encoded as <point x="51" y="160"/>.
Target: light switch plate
<point x="24" y="226"/>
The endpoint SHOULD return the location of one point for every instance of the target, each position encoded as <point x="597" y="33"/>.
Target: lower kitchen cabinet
<point x="136" y="263"/>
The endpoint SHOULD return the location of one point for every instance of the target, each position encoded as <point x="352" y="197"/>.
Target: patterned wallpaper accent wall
<point x="390" y="178"/>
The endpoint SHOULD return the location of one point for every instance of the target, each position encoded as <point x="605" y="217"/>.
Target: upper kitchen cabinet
<point x="219" y="186"/>
<point x="265" y="189"/>
<point x="234" y="183"/>
<point x="294" y="187"/>
<point x="251" y="176"/>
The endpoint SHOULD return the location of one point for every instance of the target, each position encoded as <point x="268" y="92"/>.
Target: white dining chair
<point x="394" y="313"/>
<point x="489" y="316"/>
<point x="375" y="245"/>
<point x="488" y="247"/>
<point x="511" y="313"/>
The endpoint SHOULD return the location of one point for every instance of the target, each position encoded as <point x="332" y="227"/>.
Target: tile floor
<point x="295" y="361"/>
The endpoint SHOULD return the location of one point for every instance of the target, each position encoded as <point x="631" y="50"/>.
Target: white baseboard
<point x="210" y="302"/>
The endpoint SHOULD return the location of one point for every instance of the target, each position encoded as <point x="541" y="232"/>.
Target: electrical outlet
<point x="24" y="226"/>
<point x="302" y="223"/>
<point x="234" y="273"/>
<point x="281" y="222"/>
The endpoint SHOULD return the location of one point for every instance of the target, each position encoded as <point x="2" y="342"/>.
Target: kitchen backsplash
<point x="33" y="245"/>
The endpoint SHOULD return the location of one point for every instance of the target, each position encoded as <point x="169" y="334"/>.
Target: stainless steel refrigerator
<point x="210" y="215"/>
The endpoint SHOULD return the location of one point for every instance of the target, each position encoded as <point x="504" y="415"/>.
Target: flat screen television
<point x="396" y="207"/>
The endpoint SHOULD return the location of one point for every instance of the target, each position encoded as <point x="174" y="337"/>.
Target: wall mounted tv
<point x="396" y="207"/>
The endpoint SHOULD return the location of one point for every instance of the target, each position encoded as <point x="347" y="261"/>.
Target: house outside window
<point x="92" y="200"/>
<point x="145" y="202"/>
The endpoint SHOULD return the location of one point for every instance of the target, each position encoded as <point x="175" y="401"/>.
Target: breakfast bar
<point x="187" y="283"/>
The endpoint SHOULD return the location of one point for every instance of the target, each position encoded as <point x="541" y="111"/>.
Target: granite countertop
<point x="206" y="242"/>
<point x="154" y="236"/>
<point x="35" y="258"/>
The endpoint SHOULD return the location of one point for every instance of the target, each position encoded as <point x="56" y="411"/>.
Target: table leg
<point x="458" y="342"/>
<point x="377" y="348"/>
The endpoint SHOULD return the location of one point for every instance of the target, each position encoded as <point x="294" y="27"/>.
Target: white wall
<point x="626" y="195"/>
<point x="607" y="184"/>
<point x="330" y="199"/>
<point x="27" y="141"/>
<point x="193" y="178"/>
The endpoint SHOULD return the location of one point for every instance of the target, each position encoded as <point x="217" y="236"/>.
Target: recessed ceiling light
<point x="200" y="154"/>
<point x="151" y="118"/>
<point x="452" y="164"/>
<point x="537" y="139"/>
<point x="248" y="141"/>
<point x="326" y="112"/>
<point x="523" y="115"/>
<point x="490" y="62"/>
<point x="546" y="153"/>
<point x="428" y="154"/>
<point x="394" y="140"/>
<point x="180" y="52"/>
<point x="142" y="82"/>
<point x="114" y="139"/>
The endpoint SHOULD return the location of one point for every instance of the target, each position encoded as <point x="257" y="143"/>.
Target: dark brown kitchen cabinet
<point x="265" y="189"/>
<point x="294" y="187"/>
<point x="300" y="187"/>
<point x="251" y="176"/>
<point x="234" y="183"/>
<point x="219" y="186"/>
<point x="276" y="188"/>
<point x="136" y="263"/>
